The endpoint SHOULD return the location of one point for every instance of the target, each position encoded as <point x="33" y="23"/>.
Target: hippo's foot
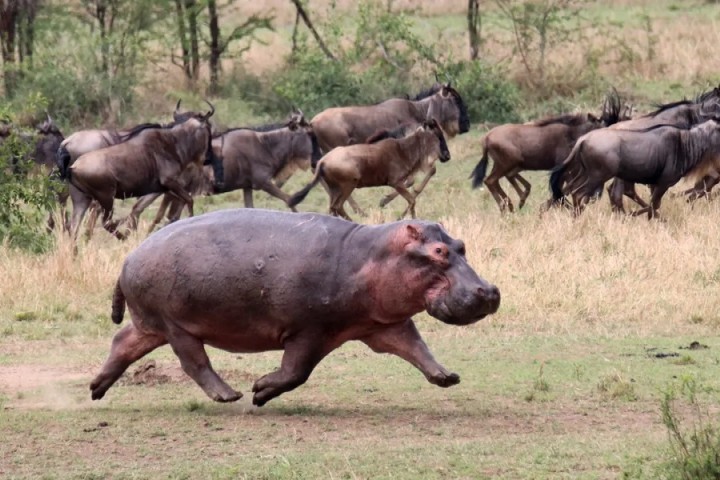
<point x="227" y="397"/>
<point x="445" y="380"/>
<point x="96" y="391"/>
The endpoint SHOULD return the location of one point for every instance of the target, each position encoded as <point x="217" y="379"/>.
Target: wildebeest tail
<point x="118" y="304"/>
<point x="300" y="196"/>
<point x="478" y="173"/>
<point x="62" y="159"/>
<point x="557" y="175"/>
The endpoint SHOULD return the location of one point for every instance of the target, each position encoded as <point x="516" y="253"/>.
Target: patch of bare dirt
<point x="40" y="386"/>
<point x="149" y="373"/>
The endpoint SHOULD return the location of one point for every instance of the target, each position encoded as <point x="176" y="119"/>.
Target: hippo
<point x="252" y="280"/>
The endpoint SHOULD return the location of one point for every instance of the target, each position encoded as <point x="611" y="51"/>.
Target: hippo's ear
<point x="414" y="232"/>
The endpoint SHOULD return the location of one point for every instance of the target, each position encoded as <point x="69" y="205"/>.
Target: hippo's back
<point x="248" y="260"/>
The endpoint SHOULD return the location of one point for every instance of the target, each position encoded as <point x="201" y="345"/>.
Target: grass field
<point x="599" y="318"/>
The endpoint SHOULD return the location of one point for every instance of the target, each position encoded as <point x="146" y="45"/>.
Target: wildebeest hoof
<point x="445" y="380"/>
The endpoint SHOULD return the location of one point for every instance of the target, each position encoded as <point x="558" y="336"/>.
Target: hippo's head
<point x="454" y="293"/>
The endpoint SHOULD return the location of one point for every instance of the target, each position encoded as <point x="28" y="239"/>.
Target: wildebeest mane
<point x="702" y="97"/>
<point x="667" y="106"/>
<point x="269" y="127"/>
<point x="428" y="92"/>
<point x="135" y="131"/>
<point x="569" y="119"/>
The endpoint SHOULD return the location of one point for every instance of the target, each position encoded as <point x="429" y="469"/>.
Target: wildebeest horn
<point x="211" y="112"/>
<point x="49" y="118"/>
<point x="177" y="105"/>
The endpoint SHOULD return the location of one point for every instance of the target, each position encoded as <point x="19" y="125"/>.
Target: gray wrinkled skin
<point x="252" y="280"/>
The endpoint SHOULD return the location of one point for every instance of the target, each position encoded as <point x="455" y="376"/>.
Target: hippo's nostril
<point x="490" y="294"/>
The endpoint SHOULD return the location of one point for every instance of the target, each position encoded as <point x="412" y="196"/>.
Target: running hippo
<point x="251" y="280"/>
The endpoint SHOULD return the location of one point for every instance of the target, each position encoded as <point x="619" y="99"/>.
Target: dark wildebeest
<point x="659" y="156"/>
<point x="234" y="280"/>
<point x="84" y="141"/>
<point x="342" y="126"/>
<point x="538" y="145"/>
<point x="388" y="162"/>
<point x="254" y="158"/>
<point x="683" y="114"/>
<point x="151" y="161"/>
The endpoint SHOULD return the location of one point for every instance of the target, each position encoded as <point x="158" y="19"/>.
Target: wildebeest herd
<point x="254" y="280"/>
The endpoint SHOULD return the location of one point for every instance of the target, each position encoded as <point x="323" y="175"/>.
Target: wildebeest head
<point x="180" y="117"/>
<point x="297" y="122"/>
<point x="199" y="132"/>
<point x="447" y="106"/>
<point x="442" y="151"/>
<point x="457" y="294"/>
<point x="48" y="127"/>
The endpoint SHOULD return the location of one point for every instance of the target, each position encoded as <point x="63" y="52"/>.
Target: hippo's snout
<point x="491" y="296"/>
<point x="466" y="306"/>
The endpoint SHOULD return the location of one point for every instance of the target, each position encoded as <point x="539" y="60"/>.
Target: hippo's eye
<point x="438" y="250"/>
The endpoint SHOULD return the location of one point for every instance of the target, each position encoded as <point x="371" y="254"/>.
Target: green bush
<point x="490" y="97"/>
<point x="25" y="197"/>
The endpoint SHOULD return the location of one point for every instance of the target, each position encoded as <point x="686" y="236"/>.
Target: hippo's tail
<point x="300" y="196"/>
<point x="62" y="158"/>
<point x="478" y="173"/>
<point x="118" y="304"/>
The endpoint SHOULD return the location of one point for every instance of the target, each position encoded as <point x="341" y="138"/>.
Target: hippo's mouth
<point x="443" y="312"/>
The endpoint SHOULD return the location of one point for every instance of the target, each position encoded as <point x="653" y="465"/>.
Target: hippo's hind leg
<point x="196" y="364"/>
<point x="404" y="340"/>
<point x="301" y="356"/>
<point x="128" y="346"/>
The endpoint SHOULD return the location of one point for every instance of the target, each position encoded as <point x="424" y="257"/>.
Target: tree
<point x="301" y="13"/>
<point x="473" y="20"/>
<point x="17" y="34"/>
<point x="219" y="44"/>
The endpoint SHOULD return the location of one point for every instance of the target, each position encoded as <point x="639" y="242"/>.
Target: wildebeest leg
<point x="302" y="354"/>
<point x="92" y="219"/>
<point x="338" y="196"/>
<point x="523" y="191"/>
<point x="196" y="364"/>
<point x="175" y="187"/>
<point x="701" y="188"/>
<point x="616" y="190"/>
<point x="493" y="184"/>
<point x="409" y="198"/>
<point x="273" y="190"/>
<point x="404" y="340"/>
<point x="128" y="346"/>
<point x="656" y="199"/>
<point x="393" y="195"/>
<point x="248" y="197"/>
<point x="166" y="200"/>
<point x="81" y="202"/>
<point x="353" y="204"/>
<point x="139" y="207"/>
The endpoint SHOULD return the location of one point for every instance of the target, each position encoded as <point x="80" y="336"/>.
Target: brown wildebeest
<point x="150" y="162"/>
<point x="342" y="126"/>
<point x="659" y="156"/>
<point x="538" y="145"/>
<point x="388" y="162"/>
<point x="683" y="114"/>
<point x="246" y="280"/>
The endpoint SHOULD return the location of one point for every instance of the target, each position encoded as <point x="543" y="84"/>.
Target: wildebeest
<point x="249" y="280"/>
<point x="253" y="158"/>
<point x="151" y="161"/>
<point x="659" y="156"/>
<point x="388" y="162"/>
<point x="538" y="145"/>
<point x="683" y="114"/>
<point x="342" y="126"/>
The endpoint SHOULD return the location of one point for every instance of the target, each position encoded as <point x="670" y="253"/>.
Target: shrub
<point x="490" y="97"/>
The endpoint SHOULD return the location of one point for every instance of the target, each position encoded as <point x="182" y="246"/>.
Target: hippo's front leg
<point x="404" y="340"/>
<point x="302" y="354"/>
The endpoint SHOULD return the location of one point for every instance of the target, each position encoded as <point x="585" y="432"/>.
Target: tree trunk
<point x="182" y="34"/>
<point x="8" y="24"/>
<point x="306" y="19"/>
<point x="192" y="14"/>
<point x="215" y="47"/>
<point x="473" y="20"/>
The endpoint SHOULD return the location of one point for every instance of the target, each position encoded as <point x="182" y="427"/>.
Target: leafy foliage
<point x="24" y="196"/>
